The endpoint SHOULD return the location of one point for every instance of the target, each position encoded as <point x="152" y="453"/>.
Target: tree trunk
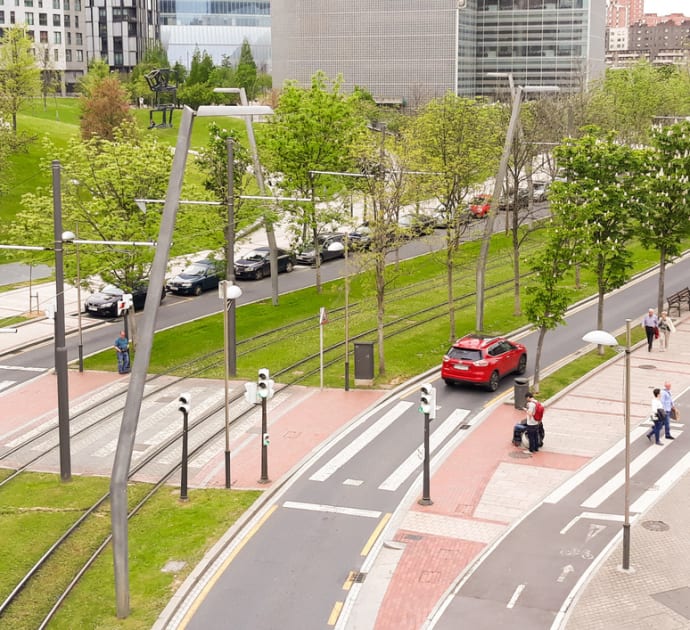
<point x="451" y="295"/>
<point x="380" y="307"/>
<point x="662" y="278"/>
<point x="537" y="359"/>
<point x="517" y="307"/>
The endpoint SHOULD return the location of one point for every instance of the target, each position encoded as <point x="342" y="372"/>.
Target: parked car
<point x="483" y="360"/>
<point x="329" y="246"/>
<point x="506" y="202"/>
<point x="480" y="205"/>
<point x="197" y="277"/>
<point x="104" y="302"/>
<point x="540" y="191"/>
<point x="360" y="237"/>
<point x="414" y="225"/>
<point x="256" y="264"/>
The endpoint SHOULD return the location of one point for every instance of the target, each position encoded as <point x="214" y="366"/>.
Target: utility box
<point x="520" y="391"/>
<point x="364" y="363"/>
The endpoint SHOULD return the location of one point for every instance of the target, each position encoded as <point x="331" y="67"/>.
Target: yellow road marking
<point x="209" y="585"/>
<point x="348" y="583"/>
<point x="372" y="539"/>
<point x="335" y="613"/>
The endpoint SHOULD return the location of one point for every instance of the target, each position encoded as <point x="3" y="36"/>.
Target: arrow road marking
<point x="593" y="515"/>
<point x="567" y="569"/>
<point x="594" y="530"/>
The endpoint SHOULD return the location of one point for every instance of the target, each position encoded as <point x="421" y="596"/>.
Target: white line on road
<point x="617" y="481"/>
<point x="361" y="442"/>
<point x="20" y="368"/>
<point x="516" y="594"/>
<point x="400" y="474"/>
<point x="593" y="515"/>
<point x="6" y="384"/>
<point x="319" y="507"/>
<point x="666" y="481"/>
<point x="592" y="467"/>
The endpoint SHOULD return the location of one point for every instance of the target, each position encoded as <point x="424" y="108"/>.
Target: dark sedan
<point x="256" y="264"/>
<point x="199" y="276"/>
<point x="104" y="302"/>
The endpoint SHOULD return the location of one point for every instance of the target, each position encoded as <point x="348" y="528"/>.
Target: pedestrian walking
<point x="650" y="323"/>
<point x="670" y="411"/>
<point x="532" y="423"/>
<point x="122" y="347"/>
<point x="657" y="417"/>
<point x="666" y="327"/>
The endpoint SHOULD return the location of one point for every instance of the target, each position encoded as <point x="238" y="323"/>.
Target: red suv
<point x="483" y="359"/>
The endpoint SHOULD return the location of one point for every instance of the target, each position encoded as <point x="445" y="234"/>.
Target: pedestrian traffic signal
<point x="265" y="439"/>
<point x="264" y="385"/>
<point x="427" y="400"/>
<point x="185" y="400"/>
<point x="250" y="393"/>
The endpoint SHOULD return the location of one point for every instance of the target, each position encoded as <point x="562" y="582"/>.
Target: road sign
<point x="323" y="316"/>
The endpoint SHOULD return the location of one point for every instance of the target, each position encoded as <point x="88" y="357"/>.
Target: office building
<point x="218" y="28"/>
<point x="417" y="49"/>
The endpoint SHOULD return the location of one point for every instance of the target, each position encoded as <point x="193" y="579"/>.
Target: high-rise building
<point x="218" y="28"/>
<point x="414" y="50"/>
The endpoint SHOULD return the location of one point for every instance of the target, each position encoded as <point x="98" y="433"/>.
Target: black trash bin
<point x="520" y="391"/>
<point x="364" y="363"/>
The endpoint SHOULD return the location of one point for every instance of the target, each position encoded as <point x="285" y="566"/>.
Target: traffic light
<point x="250" y="393"/>
<point x="427" y="400"/>
<point x="185" y="400"/>
<point x="264" y="386"/>
<point x="265" y="439"/>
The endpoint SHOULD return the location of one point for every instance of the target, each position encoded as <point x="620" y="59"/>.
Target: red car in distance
<point x="479" y="205"/>
<point x="483" y="360"/>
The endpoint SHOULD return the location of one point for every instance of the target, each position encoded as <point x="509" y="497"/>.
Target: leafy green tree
<point x="179" y="73"/>
<point x="457" y="141"/>
<point x="246" y="73"/>
<point x="201" y="68"/>
<point x="224" y="74"/>
<point x="105" y="110"/>
<point x="313" y="129"/>
<point x="19" y="74"/>
<point x="97" y="71"/>
<point x="596" y="201"/>
<point x="154" y="58"/>
<point x="101" y="180"/>
<point x="195" y="95"/>
<point x="663" y="219"/>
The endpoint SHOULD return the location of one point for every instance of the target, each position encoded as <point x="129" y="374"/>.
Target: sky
<point x="664" y="7"/>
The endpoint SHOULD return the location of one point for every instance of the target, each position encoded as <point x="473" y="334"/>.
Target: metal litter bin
<point x="364" y="362"/>
<point x="521" y="389"/>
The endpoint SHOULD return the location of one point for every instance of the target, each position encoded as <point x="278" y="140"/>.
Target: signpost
<point x="323" y="320"/>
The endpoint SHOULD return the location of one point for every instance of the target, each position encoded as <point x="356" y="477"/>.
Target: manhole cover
<point x="519" y="455"/>
<point x="647" y="366"/>
<point x="656" y="526"/>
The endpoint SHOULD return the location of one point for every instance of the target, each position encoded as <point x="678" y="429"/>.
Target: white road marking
<point x="592" y="467"/>
<point x="516" y="594"/>
<point x="567" y="569"/>
<point x="361" y="442"/>
<point x="593" y="515"/>
<point x="353" y="482"/>
<point x="665" y="481"/>
<point x="6" y="384"/>
<point x="20" y="368"/>
<point x="594" y="530"/>
<point x="617" y="481"/>
<point x="316" y="507"/>
<point x="400" y="474"/>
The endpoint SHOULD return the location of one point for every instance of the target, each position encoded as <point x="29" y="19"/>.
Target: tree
<point x="104" y="110"/>
<point x="246" y="74"/>
<point x="201" y="68"/>
<point x="597" y="202"/>
<point x="50" y="77"/>
<point x="455" y="140"/>
<point x="313" y="129"/>
<point x="663" y="219"/>
<point x="101" y="179"/>
<point x="19" y="74"/>
<point x="97" y="71"/>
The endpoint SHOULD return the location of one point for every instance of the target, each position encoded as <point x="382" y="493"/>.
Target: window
<point x="2" y="17"/>
<point x="56" y="54"/>
<point x="43" y="37"/>
<point x="43" y="19"/>
<point x="68" y="54"/>
<point x="11" y="17"/>
<point x="69" y="37"/>
<point x="76" y="21"/>
<point x="66" y="21"/>
<point x="57" y="37"/>
<point x="65" y="5"/>
<point x="29" y="17"/>
<point x="80" y="55"/>
<point x="78" y="39"/>
<point x="56" y="4"/>
<point x="77" y="5"/>
<point x="56" y="19"/>
<point x="28" y="3"/>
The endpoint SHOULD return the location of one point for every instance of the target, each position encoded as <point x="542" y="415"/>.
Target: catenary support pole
<point x="135" y="393"/>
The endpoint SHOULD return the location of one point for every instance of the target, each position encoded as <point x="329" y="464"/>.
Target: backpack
<point x="538" y="411"/>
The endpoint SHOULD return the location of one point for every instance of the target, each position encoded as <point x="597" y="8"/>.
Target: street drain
<point x="464" y="427"/>
<point x="519" y="455"/>
<point x="359" y="577"/>
<point x="656" y="526"/>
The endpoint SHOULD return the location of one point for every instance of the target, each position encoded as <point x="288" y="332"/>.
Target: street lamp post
<point x="228" y="293"/>
<point x="603" y="338"/>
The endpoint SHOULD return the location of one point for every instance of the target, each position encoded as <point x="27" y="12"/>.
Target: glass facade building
<point x="216" y="26"/>
<point x="407" y="50"/>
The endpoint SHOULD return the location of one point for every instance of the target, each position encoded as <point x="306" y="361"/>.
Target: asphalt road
<point x="291" y="567"/>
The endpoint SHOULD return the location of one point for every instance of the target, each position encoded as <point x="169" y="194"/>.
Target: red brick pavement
<point x="430" y="563"/>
